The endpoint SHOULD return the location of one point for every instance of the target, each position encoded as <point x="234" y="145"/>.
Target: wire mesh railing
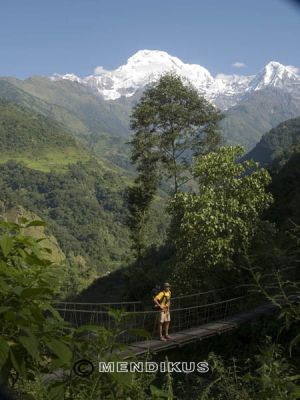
<point x="182" y="317"/>
<point x="129" y="306"/>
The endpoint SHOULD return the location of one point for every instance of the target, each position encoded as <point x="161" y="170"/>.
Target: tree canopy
<point x="213" y="225"/>
<point x="172" y="123"/>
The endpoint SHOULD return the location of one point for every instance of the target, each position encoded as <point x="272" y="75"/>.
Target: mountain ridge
<point x="276" y="143"/>
<point x="36" y="140"/>
<point x="146" y="66"/>
<point x="103" y="125"/>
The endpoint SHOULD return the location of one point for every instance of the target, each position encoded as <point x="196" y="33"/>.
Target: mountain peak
<point x="280" y="69"/>
<point x="70" y="77"/>
<point x="154" y="59"/>
<point x="273" y="64"/>
<point x="152" y="54"/>
<point x="146" y="66"/>
<point x="157" y="61"/>
<point x="274" y="74"/>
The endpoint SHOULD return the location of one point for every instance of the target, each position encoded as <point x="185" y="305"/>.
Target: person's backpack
<point x="155" y="292"/>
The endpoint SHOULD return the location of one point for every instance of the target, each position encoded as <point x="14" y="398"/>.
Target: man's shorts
<point x="165" y="316"/>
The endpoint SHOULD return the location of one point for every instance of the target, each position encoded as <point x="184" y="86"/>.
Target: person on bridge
<point x="163" y="301"/>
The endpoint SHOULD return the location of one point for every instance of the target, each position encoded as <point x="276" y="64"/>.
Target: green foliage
<point x="85" y="210"/>
<point x="280" y="284"/>
<point x="29" y="281"/>
<point x="37" y="348"/>
<point x="112" y="148"/>
<point x="273" y="372"/>
<point x="139" y="199"/>
<point x="88" y="195"/>
<point x="268" y="376"/>
<point x="171" y="123"/>
<point x="286" y="191"/>
<point x="211" y="227"/>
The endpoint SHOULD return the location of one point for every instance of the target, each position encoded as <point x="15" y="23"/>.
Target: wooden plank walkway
<point x="181" y="338"/>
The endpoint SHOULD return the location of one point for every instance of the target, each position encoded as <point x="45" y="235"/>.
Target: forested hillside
<point x="97" y="115"/>
<point x="36" y="140"/>
<point x="256" y="114"/>
<point x="277" y="143"/>
<point x="286" y="189"/>
<point x="12" y="93"/>
<point x="80" y="196"/>
<point x="85" y="210"/>
<point x="103" y="125"/>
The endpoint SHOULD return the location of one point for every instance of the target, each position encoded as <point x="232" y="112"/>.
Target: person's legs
<point x="161" y="323"/>
<point x="167" y="325"/>
<point x="160" y="329"/>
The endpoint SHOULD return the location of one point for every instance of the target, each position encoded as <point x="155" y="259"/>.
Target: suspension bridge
<point x="194" y="317"/>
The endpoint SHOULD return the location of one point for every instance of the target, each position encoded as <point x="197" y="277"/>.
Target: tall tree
<point x="139" y="197"/>
<point x="171" y="124"/>
<point x="211" y="227"/>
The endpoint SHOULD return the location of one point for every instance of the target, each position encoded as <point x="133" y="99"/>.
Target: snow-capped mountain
<point x="146" y="66"/>
<point x="276" y="75"/>
<point x="69" y="77"/>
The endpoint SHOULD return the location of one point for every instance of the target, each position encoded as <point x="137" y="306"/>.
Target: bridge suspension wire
<point x="187" y="312"/>
<point x="133" y="306"/>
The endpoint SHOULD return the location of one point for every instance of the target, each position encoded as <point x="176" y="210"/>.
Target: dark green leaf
<point x="35" y="223"/>
<point x="31" y="345"/>
<point x="6" y="244"/>
<point x="4" y="350"/>
<point x="3" y="309"/>
<point x="60" y="349"/>
<point x="57" y="392"/>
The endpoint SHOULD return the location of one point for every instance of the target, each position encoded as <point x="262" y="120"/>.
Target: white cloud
<point x="100" y="70"/>
<point x="238" y="64"/>
<point x="223" y="76"/>
<point x="293" y="69"/>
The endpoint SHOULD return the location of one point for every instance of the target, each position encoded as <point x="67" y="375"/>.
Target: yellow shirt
<point x="164" y="298"/>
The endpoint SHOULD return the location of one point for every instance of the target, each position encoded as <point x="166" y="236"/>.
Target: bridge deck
<point x="202" y="332"/>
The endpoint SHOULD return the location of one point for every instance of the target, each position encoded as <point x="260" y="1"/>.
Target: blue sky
<point x="40" y="37"/>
